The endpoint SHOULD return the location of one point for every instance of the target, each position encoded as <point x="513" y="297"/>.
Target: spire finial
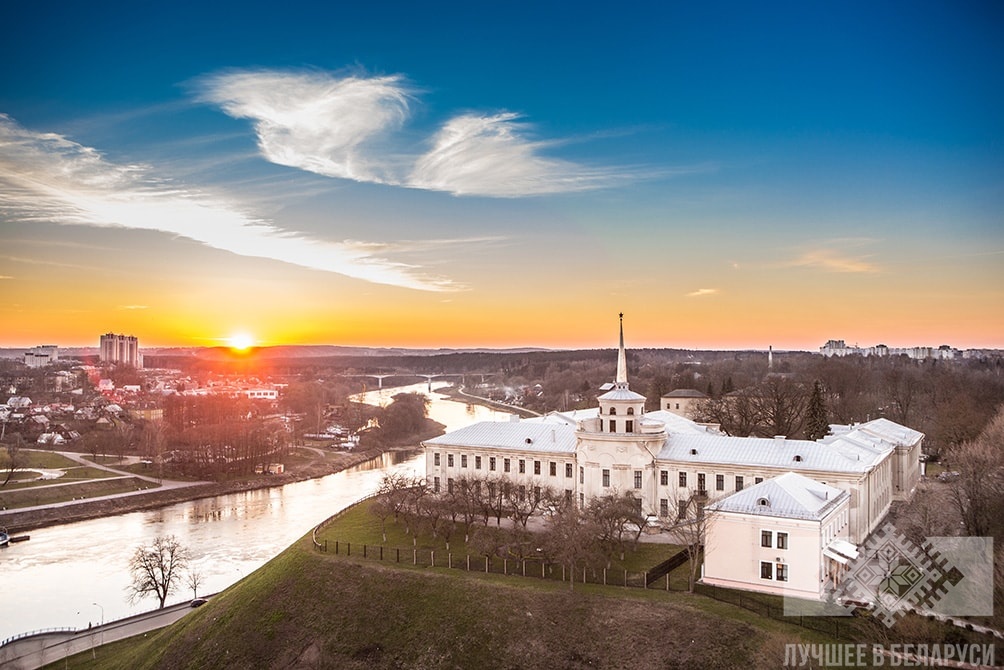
<point x="621" y="358"/>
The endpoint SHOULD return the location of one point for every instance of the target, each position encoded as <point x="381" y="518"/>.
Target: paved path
<point x="160" y="484"/>
<point x="34" y="651"/>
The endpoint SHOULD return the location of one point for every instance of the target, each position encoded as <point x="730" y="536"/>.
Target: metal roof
<point x="685" y="393"/>
<point x="790" y="495"/>
<point x="554" y="438"/>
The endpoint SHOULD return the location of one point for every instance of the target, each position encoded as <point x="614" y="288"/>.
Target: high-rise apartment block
<point x="121" y="349"/>
<point x="42" y="355"/>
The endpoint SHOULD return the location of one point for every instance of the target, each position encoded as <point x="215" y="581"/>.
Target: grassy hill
<point x="306" y="609"/>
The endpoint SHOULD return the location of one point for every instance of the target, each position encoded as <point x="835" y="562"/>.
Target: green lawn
<point x="47" y="495"/>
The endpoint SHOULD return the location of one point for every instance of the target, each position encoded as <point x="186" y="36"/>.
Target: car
<point x="198" y="602"/>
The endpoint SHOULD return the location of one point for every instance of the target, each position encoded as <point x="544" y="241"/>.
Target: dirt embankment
<point x="19" y="522"/>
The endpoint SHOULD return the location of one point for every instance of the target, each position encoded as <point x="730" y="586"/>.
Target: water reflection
<point x="55" y="579"/>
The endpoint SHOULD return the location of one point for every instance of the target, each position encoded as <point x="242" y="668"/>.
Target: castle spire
<point x="621" y="358"/>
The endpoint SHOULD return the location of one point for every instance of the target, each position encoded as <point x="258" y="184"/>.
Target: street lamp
<point x="102" y="622"/>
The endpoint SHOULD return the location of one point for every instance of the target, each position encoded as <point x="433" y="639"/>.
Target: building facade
<point x="670" y="463"/>
<point x="120" y="350"/>
<point x="42" y="355"/>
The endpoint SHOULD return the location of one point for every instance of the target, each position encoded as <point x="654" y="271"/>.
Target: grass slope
<point x="311" y="610"/>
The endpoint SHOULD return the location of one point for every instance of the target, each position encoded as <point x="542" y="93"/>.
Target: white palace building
<point x="841" y="488"/>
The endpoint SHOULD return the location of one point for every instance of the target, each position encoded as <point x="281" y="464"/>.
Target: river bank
<point x="19" y="522"/>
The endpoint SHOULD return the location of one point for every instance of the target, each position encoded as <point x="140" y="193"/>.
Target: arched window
<point x="630" y="410"/>
<point x="763" y="502"/>
<point x="613" y="411"/>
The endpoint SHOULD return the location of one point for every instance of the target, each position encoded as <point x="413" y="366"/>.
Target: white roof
<point x="622" y="394"/>
<point x="768" y="452"/>
<point x="544" y="437"/>
<point x="790" y="495"/>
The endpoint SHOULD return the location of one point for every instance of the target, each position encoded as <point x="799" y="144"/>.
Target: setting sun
<point x="241" y="341"/>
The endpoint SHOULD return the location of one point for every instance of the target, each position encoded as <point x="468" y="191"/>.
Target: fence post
<point x="398" y="555"/>
<point x="381" y="552"/>
<point x="432" y="557"/>
<point x="449" y="559"/>
<point x="625" y="577"/>
<point x="348" y="548"/>
<point x="336" y="547"/>
<point x="562" y="572"/>
<point x="364" y="551"/>
<point x="325" y="546"/>
<point x="505" y="566"/>
<point x="644" y="577"/>
<point x="488" y="564"/>
<point x="524" y="567"/>
<point x="583" y="575"/>
<point x="414" y="556"/>
<point x="468" y="562"/>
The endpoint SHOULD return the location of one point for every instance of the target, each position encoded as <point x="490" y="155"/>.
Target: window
<point x="568" y="470"/>
<point x="536" y="494"/>
<point x="506" y="465"/>
<point x="782" y="540"/>
<point x="522" y="466"/>
<point x="449" y="484"/>
<point x="757" y="480"/>
<point x="606" y="478"/>
<point x="491" y="463"/>
<point x="629" y="426"/>
<point x="568" y="495"/>
<point x="613" y="411"/>
<point x="582" y="500"/>
<point x="553" y="469"/>
<point x="739" y="482"/>
<point x="582" y="475"/>
<point x="781" y="572"/>
<point x="477" y="462"/>
<point x="677" y="405"/>
<point x="522" y="493"/>
<point x="719" y="482"/>
<point x="681" y="509"/>
<point x="463" y="460"/>
<point x="536" y="467"/>
<point x="491" y="490"/>
<point x="435" y="485"/>
<point x="435" y="459"/>
<point x="766" y="570"/>
<point x="701" y="483"/>
<point x="637" y="479"/>
<point x="664" y="478"/>
<point x="613" y="426"/>
<point x="630" y="411"/>
<point x="683" y="478"/>
<point x="449" y="460"/>
<point x="766" y="538"/>
<point x="663" y="507"/>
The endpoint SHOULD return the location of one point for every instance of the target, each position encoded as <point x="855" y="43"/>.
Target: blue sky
<point x="729" y="175"/>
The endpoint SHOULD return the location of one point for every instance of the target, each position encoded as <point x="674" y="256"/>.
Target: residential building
<point x="121" y="350"/>
<point x="42" y="355"/>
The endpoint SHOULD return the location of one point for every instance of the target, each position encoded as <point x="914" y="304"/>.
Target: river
<point x="77" y="574"/>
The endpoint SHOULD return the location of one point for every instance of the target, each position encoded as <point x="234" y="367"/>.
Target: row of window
<point x="775" y="571"/>
<point x="506" y="464"/>
<point x="521" y="491"/>
<point x="606" y="478"/>
<point x="702" y="484"/>
<point x="773" y="540"/>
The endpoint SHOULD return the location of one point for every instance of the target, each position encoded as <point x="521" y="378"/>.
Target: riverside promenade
<point x="35" y="650"/>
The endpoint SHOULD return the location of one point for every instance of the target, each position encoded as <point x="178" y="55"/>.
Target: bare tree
<point x="978" y="489"/>
<point x="157" y="570"/>
<point x="618" y="520"/>
<point x="12" y="456"/>
<point x="572" y="539"/>
<point x="194" y="579"/>
<point x="690" y="529"/>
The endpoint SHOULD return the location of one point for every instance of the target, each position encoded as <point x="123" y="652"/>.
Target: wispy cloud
<point x="345" y="127"/>
<point x="837" y="256"/>
<point x="703" y="293"/>
<point x="131" y="307"/>
<point x="5" y="277"/>
<point x="47" y="177"/>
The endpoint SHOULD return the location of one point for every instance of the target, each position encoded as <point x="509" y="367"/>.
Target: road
<point x="34" y="651"/>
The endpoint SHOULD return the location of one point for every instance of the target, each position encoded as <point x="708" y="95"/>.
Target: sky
<point x="727" y="175"/>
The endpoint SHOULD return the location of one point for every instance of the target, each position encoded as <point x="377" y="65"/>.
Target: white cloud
<point x="345" y="128"/>
<point x="47" y="177"/>
<point x="702" y="292"/>
<point x="131" y="307"/>
<point x="834" y="256"/>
